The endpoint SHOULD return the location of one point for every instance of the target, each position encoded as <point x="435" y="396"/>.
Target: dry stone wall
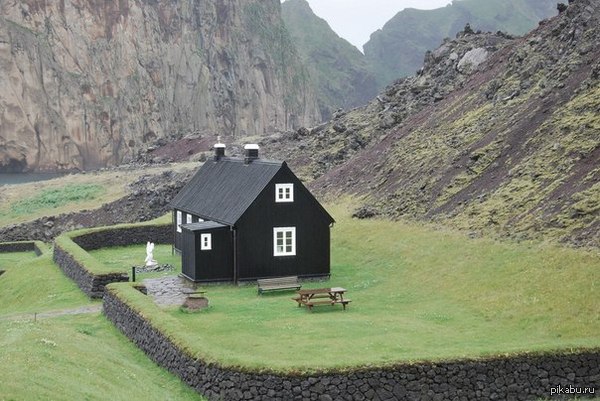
<point x="91" y="283"/>
<point x="123" y="236"/>
<point x="523" y="377"/>
<point x="21" y="246"/>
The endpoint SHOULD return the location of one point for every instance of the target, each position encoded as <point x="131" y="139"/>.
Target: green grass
<point x="91" y="263"/>
<point x="114" y="184"/>
<point x="11" y="260"/>
<point x="54" y="198"/>
<point x="124" y="257"/>
<point x="37" y="285"/>
<point x="79" y="358"/>
<point x="419" y="293"/>
<point x="68" y="357"/>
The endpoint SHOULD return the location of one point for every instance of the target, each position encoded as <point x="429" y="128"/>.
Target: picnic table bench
<point x="322" y="296"/>
<point x="278" y="283"/>
<point x="193" y="293"/>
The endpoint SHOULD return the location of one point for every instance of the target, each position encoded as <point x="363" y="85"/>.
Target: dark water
<point x="20" y="178"/>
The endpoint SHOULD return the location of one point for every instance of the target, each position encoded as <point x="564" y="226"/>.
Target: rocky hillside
<point x="86" y="84"/>
<point x="316" y="151"/>
<point x="397" y="49"/>
<point x="494" y="135"/>
<point x="339" y="70"/>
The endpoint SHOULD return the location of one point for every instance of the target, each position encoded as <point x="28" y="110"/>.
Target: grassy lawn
<point x="122" y="258"/>
<point x="68" y="357"/>
<point x="37" y="285"/>
<point x="10" y="260"/>
<point x="418" y="293"/>
<point x="80" y="357"/>
<point x="71" y="193"/>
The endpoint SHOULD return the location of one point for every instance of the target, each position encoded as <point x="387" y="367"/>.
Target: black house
<point x="244" y="219"/>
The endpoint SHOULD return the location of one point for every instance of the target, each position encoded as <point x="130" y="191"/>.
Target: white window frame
<point x="280" y="193"/>
<point x="205" y="242"/>
<point x="287" y="232"/>
<point x="200" y="220"/>
<point x="188" y="218"/>
<point x="178" y="221"/>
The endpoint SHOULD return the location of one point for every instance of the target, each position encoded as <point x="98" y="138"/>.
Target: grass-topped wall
<point x="70" y="252"/>
<point x="516" y="377"/>
<point x="24" y="246"/>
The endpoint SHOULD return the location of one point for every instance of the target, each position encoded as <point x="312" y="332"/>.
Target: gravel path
<point x="49" y="314"/>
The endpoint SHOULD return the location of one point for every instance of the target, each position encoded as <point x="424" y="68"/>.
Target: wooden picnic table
<point x="321" y="296"/>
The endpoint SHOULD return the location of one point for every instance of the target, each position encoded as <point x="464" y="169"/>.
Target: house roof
<point x="203" y="225"/>
<point x="222" y="191"/>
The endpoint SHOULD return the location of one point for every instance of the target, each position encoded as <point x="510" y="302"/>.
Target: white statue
<point x="149" y="257"/>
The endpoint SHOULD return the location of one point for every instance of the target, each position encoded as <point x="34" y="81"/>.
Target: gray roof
<point x="222" y="191"/>
<point x="203" y="225"/>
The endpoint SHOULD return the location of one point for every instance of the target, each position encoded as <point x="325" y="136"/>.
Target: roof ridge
<point x="254" y="161"/>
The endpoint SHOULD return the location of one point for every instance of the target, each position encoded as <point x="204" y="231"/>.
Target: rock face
<point x="396" y="50"/>
<point x="85" y="84"/>
<point x="349" y="132"/>
<point x="510" y="147"/>
<point x="339" y="70"/>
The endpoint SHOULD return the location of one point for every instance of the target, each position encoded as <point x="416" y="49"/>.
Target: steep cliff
<point x="494" y="135"/>
<point x="85" y="83"/>
<point x="339" y="70"/>
<point x="397" y="49"/>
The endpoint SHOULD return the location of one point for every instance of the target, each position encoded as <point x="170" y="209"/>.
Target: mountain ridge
<point x="340" y="72"/>
<point x="395" y="51"/>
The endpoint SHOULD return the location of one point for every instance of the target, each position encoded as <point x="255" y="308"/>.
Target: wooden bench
<point x="278" y="283"/>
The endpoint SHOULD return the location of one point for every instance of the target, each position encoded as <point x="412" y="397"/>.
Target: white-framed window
<point x="205" y="242"/>
<point x="284" y="192"/>
<point x="284" y="241"/>
<point x="188" y="218"/>
<point x="200" y="220"/>
<point x="179" y="221"/>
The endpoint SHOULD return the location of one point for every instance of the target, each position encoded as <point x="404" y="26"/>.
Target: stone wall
<point x="123" y="236"/>
<point x="93" y="284"/>
<point x="22" y="246"/>
<point x="521" y="377"/>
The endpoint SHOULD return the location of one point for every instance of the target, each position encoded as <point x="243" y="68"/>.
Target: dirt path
<point x="55" y="313"/>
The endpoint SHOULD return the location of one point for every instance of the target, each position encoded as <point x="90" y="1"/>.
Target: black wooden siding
<point x="177" y="236"/>
<point x="242" y="197"/>
<point x="255" y="233"/>
<point x="215" y="264"/>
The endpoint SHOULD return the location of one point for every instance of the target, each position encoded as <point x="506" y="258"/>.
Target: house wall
<point x="178" y="236"/>
<point x="215" y="264"/>
<point x="255" y="234"/>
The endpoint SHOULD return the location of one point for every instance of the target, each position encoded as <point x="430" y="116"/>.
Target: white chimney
<point x="251" y="152"/>
<point x="219" y="151"/>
